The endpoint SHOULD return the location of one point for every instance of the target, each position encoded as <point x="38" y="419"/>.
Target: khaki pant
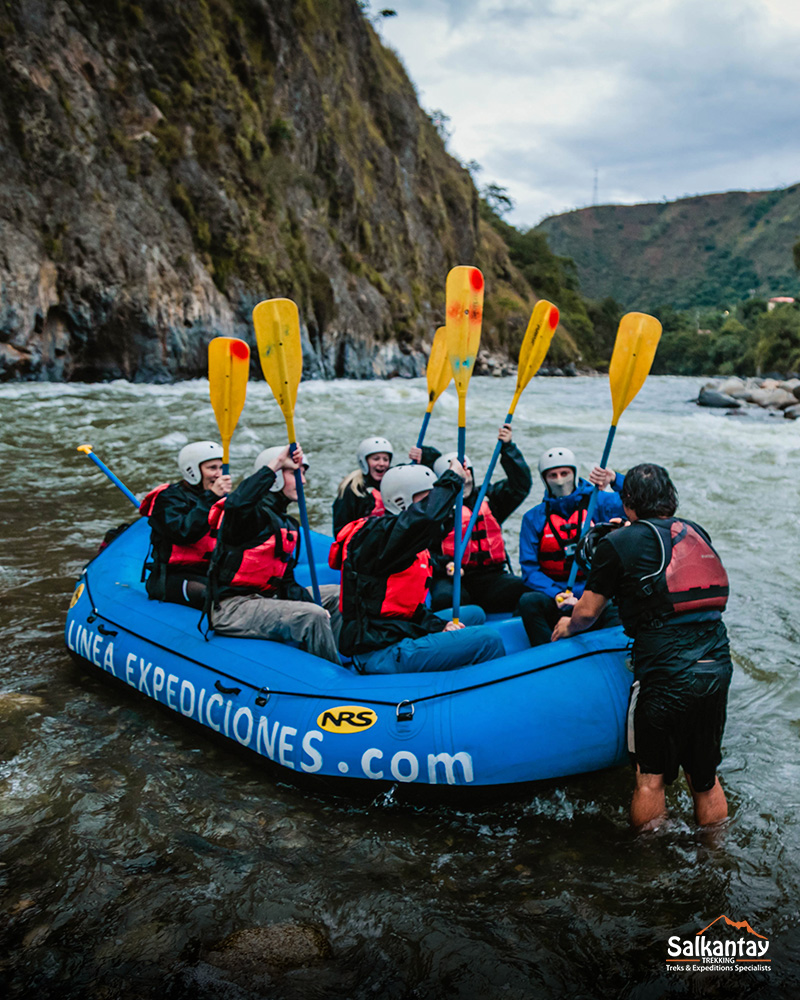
<point x="297" y="623"/>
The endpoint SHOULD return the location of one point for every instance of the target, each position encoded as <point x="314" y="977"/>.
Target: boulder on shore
<point x="768" y="393"/>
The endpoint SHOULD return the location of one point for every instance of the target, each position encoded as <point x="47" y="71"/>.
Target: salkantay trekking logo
<point x="728" y="953"/>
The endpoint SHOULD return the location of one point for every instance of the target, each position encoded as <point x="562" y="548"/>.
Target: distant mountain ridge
<point x="696" y="252"/>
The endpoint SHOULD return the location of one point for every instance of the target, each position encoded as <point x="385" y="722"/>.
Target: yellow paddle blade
<point x="277" y="325"/>
<point x="634" y="350"/>
<point x="439" y="371"/>
<point x="228" y="371"/>
<point x="464" y="292"/>
<point x="541" y="327"/>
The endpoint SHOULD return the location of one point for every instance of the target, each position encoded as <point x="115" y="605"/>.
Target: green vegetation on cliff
<point x="168" y="163"/>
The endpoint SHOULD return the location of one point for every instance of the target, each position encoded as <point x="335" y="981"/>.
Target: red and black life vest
<point x="398" y="595"/>
<point x="691" y="577"/>
<point x="558" y="541"/>
<point x="486" y="546"/>
<point x="194" y="556"/>
<point x="379" y="507"/>
<point x="259" y="566"/>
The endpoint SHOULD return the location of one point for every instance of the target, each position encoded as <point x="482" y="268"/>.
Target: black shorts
<point x="678" y="720"/>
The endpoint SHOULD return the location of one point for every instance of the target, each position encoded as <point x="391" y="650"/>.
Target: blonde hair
<point x="355" y="482"/>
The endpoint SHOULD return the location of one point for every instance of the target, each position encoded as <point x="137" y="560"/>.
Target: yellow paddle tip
<point x="85" y="448"/>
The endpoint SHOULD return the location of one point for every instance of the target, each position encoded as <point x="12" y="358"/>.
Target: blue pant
<point x="439" y="651"/>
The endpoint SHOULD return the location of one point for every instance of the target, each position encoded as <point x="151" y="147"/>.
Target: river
<point x="130" y="843"/>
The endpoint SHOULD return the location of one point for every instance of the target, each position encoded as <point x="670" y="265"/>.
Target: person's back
<point x="671" y="589"/>
<point x="182" y="537"/>
<point x="385" y="564"/>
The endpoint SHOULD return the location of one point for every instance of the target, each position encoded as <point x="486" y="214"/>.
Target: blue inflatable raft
<point x="534" y="714"/>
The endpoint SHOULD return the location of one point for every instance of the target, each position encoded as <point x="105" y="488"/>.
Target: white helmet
<point x="401" y="484"/>
<point x="191" y="457"/>
<point x="442" y="463"/>
<point x="558" y="458"/>
<point x="371" y="446"/>
<point x="266" y="456"/>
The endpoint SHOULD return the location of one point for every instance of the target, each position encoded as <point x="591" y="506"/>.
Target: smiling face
<point x="210" y="471"/>
<point x="378" y="465"/>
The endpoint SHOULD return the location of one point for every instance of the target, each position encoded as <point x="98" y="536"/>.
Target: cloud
<point x="661" y="97"/>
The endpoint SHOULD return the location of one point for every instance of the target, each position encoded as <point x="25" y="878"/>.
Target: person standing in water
<point x="671" y="588"/>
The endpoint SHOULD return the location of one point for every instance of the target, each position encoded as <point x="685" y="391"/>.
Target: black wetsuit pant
<point x="493" y="590"/>
<point x="540" y="613"/>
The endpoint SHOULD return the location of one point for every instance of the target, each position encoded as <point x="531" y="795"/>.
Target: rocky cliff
<point x="169" y="163"/>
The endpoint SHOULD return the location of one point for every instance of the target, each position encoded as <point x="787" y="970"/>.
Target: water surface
<point x="130" y="844"/>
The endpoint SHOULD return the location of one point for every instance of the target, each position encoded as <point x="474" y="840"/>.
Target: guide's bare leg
<point x="711" y="806"/>
<point x="648" y="805"/>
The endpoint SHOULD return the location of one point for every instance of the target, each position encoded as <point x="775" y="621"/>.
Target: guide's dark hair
<point x="649" y="491"/>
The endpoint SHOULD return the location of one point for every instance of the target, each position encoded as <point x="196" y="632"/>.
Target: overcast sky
<point x="662" y="98"/>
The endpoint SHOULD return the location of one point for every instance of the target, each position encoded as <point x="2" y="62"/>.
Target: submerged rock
<point x="715" y="398"/>
<point x="257" y="951"/>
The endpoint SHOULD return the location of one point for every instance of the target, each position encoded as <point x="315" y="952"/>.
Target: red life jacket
<point x="557" y="544"/>
<point x="196" y="554"/>
<point x="691" y="577"/>
<point x="259" y="567"/>
<point x="395" y="596"/>
<point x="486" y="546"/>
<point x="379" y="507"/>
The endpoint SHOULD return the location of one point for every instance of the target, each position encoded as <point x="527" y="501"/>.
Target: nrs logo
<point x="347" y="719"/>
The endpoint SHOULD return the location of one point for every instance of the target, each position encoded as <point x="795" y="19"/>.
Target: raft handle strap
<point x="106" y="631"/>
<point x="223" y="690"/>
<point x="263" y="697"/>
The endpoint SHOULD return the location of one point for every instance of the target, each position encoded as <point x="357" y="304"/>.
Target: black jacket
<point x="350" y="506"/>
<point x="252" y="515"/>
<point x="382" y="547"/>
<point x="179" y="517"/>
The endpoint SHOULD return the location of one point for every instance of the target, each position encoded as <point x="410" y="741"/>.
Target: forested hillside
<point x="702" y="252"/>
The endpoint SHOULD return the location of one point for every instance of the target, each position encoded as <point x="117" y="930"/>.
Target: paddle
<point x="631" y="360"/>
<point x="439" y="375"/>
<point x="87" y="450"/>
<point x="228" y="371"/>
<point x="277" y="325"/>
<point x="464" y="314"/>
<point x="541" y="327"/>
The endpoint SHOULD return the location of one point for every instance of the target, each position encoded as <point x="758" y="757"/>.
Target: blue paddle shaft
<point x="117" y="482"/>
<point x="226" y="469"/>
<point x="573" y="573"/>
<point x="301" y="502"/>
<point x="457" y="546"/>
<point x="484" y="487"/>
<point x="424" y="427"/>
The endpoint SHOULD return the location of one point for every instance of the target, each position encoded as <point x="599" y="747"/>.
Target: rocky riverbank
<point x="768" y="393"/>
